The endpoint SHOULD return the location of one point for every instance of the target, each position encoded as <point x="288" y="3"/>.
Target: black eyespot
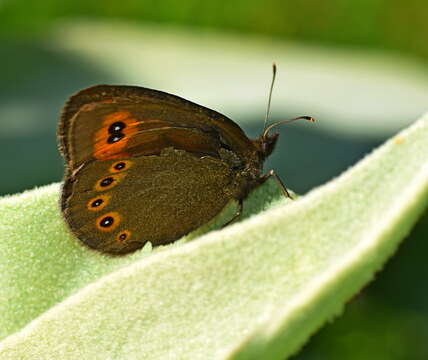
<point x="97" y="203"/>
<point x="106" y="221"/>
<point x="119" y="166"/>
<point x="123" y="235"/>
<point x="116" y="127"/>
<point x="106" y="182"/>
<point x="115" y="138"/>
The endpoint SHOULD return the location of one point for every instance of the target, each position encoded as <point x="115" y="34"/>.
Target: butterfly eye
<point x="108" y="222"/>
<point x="108" y="182"/>
<point x="98" y="203"/>
<point x="120" y="166"/>
<point x="123" y="235"/>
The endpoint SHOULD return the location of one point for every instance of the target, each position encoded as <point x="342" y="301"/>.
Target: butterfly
<point x="144" y="166"/>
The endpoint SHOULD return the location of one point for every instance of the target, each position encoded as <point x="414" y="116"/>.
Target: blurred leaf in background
<point x="358" y="66"/>
<point x="387" y="24"/>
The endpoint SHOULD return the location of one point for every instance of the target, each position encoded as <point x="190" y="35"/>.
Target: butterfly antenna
<point x="270" y="96"/>
<point x="266" y="130"/>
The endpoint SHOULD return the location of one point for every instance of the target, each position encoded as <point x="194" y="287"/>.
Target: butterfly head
<point x="266" y="144"/>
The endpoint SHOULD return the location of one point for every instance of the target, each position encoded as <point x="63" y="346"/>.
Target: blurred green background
<point x="358" y="66"/>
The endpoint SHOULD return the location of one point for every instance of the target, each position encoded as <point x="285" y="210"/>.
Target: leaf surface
<point x="254" y="290"/>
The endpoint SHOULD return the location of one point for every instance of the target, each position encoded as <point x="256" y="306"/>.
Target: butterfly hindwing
<point x="118" y="205"/>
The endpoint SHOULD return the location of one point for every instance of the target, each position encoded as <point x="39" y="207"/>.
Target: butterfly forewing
<point x="90" y="118"/>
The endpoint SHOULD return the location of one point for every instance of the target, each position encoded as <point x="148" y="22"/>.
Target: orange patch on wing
<point x="116" y="116"/>
<point x="102" y="148"/>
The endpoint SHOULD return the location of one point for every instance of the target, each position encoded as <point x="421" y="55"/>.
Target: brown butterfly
<point x="144" y="165"/>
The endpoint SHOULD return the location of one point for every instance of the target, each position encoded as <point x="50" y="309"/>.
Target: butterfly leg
<point x="273" y="174"/>
<point x="237" y="214"/>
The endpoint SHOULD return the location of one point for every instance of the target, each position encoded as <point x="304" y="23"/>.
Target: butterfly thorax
<point x="248" y="169"/>
<point x="251" y="173"/>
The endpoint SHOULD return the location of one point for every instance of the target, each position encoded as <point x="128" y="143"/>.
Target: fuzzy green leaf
<point x="254" y="290"/>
